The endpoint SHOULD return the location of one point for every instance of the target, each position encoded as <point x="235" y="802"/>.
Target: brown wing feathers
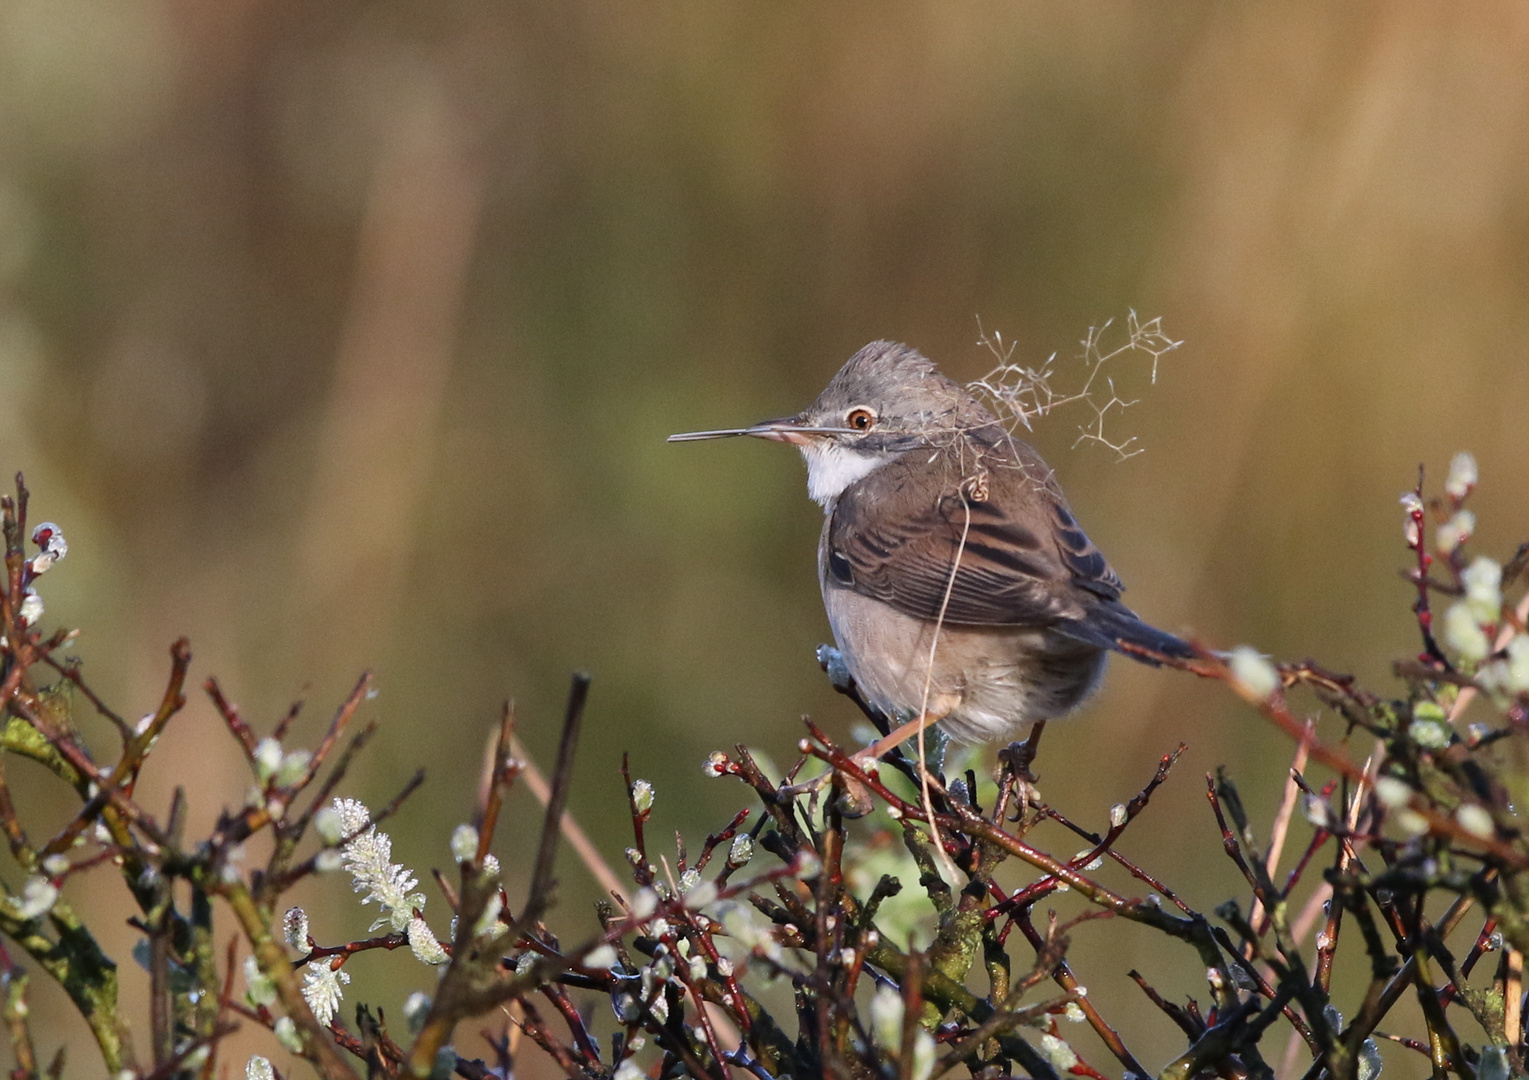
<point x="1025" y="561"/>
<point x="1008" y="575"/>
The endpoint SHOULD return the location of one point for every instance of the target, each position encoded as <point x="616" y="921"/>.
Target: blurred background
<point x="347" y="336"/>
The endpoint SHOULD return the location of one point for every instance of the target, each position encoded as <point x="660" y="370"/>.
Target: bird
<point x="960" y="588"/>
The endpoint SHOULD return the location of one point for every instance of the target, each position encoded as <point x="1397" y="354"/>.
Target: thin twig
<point x="542" y="881"/>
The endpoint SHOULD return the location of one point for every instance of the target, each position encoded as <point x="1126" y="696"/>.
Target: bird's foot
<point x="1019" y="756"/>
<point x="831" y="660"/>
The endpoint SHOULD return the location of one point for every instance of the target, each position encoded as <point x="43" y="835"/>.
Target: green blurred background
<point x="347" y="335"/>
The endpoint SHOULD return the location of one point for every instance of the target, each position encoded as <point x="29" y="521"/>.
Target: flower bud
<point x="31" y="608"/>
<point x="294" y="927"/>
<point x="293" y="767"/>
<point x="1483" y="589"/>
<point x="887" y="1018"/>
<point x="1411" y="822"/>
<point x="267" y="758"/>
<point x="423" y="943"/>
<point x="1430" y="726"/>
<point x="1476" y="820"/>
<point x="464" y="843"/>
<point x="260" y="990"/>
<point x="1462" y="476"/>
<point x="741" y="850"/>
<point x="1252" y="672"/>
<point x="642" y="796"/>
<point x="415" y="1009"/>
<point x="1392" y="793"/>
<point x="330" y="826"/>
<point x="601" y="956"/>
<point x="1061" y="1056"/>
<point x="1464" y="634"/>
<point x="1454" y="532"/>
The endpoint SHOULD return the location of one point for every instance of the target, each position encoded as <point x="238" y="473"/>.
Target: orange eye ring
<point x="860" y="419"/>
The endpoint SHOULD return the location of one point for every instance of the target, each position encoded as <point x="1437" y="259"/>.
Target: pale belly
<point x="983" y="684"/>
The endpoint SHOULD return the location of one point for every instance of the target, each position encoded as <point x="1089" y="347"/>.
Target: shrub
<point x="693" y="953"/>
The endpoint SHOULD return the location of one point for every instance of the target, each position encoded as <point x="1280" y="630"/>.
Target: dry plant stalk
<point x="1020" y="394"/>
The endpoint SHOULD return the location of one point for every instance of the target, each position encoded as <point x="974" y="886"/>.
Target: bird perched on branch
<point x="959" y="586"/>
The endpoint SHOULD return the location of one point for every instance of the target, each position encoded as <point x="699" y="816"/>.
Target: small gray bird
<point x="959" y="587"/>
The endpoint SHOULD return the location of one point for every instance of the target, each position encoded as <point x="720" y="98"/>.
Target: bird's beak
<point x="788" y="429"/>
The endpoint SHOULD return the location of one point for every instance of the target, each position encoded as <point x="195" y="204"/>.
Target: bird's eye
<point x="860" y="419"/>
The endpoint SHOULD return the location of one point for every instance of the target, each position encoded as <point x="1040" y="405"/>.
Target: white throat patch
<point x="831" y="468"/>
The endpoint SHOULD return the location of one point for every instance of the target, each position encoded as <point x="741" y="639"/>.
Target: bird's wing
<point x="1025" y="561"/>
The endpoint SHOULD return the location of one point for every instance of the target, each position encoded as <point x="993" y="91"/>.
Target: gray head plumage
<point x="911" y="402"/>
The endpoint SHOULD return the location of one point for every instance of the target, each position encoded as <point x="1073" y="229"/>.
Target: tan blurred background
<point x="347" y="335"/>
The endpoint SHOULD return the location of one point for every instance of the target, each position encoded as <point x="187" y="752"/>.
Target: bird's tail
<point x="1115" y="626"/>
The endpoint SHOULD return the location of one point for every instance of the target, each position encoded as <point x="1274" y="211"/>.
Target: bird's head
<point x="887" y="400"/>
